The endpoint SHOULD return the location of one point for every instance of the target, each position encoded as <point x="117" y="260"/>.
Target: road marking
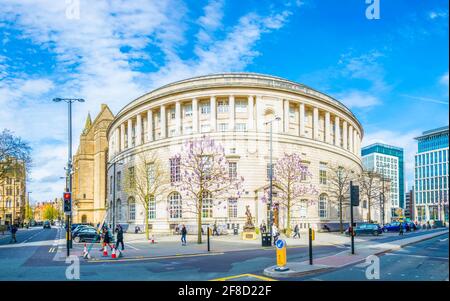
<point x="32" y="236"/>
<point x="52" y="250"/>
<point x="244" y="275"/>
<point x="417" y="256"/>
<point x="443" y="239"/>
<point x="141" y="258"/>
<point x="131" y="246"/>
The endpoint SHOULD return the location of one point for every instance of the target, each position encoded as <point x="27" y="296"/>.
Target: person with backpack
<point x="119" y="238"/>
<point x="296" y="231"/>
<point x="13" y="234"/>
<point x="183" y="235"/>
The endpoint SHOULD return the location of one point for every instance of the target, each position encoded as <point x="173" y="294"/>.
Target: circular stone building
<point x="233" y="108"/>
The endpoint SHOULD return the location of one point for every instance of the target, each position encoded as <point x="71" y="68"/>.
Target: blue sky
<point x="392" y="72"/>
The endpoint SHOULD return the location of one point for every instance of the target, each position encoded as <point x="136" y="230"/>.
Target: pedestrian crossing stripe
<point x="263" y="278"/>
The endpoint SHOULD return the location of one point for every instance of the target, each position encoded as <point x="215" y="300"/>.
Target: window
<point x="175" y="208"/>
<point x="241" y="127"/>
<point x="151" y="207"/>
<point x="241" y="106"/>
<point x="232" y="170"/>
<point x="232" y="208"/>
<point x="207" y="205"/>
<point x="205" y="108"/>
<point x="323" y="173"/>
<point x="188" y="110"/>
<point x="232" y="150"/>
<point x="222" y="106"/>
<point x="119" y="210"/>
<point x="205" y="128"/>
<point x="132" y="177"/>
<point x="223" y="127"/>
<point x="323" y="206"/>
<point x="119" y="181"/>
<point x="175" y="175"/>
<point x="131" y="209"/>
<point x="110" y="184"/>
<point x="206" y="167"/>
<point x="291" y="112"/>
<point x="150" y="174"/>
<point x="172" y="113"/>
<point x="172" y="133"/>
<point x="188" y="130"/>
<point x="303" y="209"/>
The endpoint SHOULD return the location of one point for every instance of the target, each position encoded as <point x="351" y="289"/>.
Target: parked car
<point x="366" y="229"/>
<point x="86" y="235"/>
<point x="47" y="225"/>
<point x="81" y="227"/>
<point x="393" y="227"/>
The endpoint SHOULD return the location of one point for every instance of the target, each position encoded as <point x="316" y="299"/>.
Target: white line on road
<point x="131" y="246"/>
<point x="32" y="236"/>
<point x="417" y="256"/>
<point x="443" y="239"/>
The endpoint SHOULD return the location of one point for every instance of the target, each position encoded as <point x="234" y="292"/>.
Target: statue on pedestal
<point x="249" y="227"/>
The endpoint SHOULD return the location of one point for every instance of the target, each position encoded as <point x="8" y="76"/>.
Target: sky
<point x="391" y="71"/>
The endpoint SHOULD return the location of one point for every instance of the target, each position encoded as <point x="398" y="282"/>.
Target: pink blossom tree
<point x="205" y="178"/>
<point x="289" y="175"/>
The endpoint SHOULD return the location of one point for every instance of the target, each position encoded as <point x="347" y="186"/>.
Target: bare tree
<point x="205" y="178"/>
<point x="147" y="181"/>
<point x="369" y="182"/>
<point x="339" y="178"/>
<point x="14" y="155"/>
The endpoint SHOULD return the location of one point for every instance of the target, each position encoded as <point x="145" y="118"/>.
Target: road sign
<point x="281" y="255"/>
<point x="67" y="202"/>
<point x="354" y="195"/>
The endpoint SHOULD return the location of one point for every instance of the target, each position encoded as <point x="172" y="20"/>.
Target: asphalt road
<point x="33" y="259"/>
<point x="423" y="261"/>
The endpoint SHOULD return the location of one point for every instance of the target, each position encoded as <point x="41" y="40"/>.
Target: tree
<point x="28" y="213"/>
<point x="339" y="178"/>
<point x="50" y="212"/>
<point x="289" y="171"/>
<point x="147" y="180"/>
<point x="369" y="182"/>
<point x="204" y="178"/>
<point x="14" y="155"/>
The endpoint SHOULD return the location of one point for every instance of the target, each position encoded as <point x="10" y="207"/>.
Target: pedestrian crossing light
<point x="67" y="202"/>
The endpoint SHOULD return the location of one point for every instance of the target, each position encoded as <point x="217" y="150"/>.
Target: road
<point x="33" y="258"/>
<point x="423" y="261"/>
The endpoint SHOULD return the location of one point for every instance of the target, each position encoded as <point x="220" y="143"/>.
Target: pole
<point x="207" y="236"/>
<point x="270" y="183"/>
<point x="351" y="219"/>
<point x="310" y="246"/>
<point x="114" y="197"/>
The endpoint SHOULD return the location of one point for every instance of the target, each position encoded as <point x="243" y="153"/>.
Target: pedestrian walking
<point x="183" y="235"/>
<point x="401" y="229"/>
<point x="428" y="225"/>
<point x="119" y="237"/>
<point x="296" y="231"/>
<point x="275" y="233"/>
<point x="106" y="238"/>
<point x="13" y="234"/>
<point x="215" y="232"/>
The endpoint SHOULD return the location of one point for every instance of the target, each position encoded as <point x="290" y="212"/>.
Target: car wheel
<point x="76" y="239"/>
<point x="375" y="233"/>
<point x="385" y="230"/>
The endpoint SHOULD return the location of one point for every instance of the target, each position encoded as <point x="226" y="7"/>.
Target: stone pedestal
<point x="249" y="235"/>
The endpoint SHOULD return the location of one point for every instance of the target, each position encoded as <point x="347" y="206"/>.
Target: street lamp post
<point x="69" y="102"/>
<point x="270" y="223"/>
<point x="382" y="196"/>
<point x="113" y="218"/>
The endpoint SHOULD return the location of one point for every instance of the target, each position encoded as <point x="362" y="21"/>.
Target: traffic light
<point x="67" y="201"/>
<point x="354" y="195"/>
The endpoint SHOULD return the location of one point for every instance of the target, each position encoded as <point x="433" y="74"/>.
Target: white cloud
<point x="358" y="99"/>
<point x="97" y="58"/>
<point x="399" y="139"/>
<point x="437" y="14"/>
<point x="443" y="80"/>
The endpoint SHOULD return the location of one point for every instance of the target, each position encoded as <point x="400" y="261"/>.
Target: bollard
<point x="281" y="256"/>
<point x="310" y="238"/>
<point x="208" y="239"/>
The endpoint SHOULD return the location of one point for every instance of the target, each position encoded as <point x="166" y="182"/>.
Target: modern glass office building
<point x="431" y="175"/>
<point x="388" y="161"/>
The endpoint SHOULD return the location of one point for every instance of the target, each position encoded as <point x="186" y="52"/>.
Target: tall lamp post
<point x="382" y="195"/>
<point x="113" y="218"/>
<point x="270" y="123"/>
<point x="69" y="102"/>
<point x="27" y="208"/>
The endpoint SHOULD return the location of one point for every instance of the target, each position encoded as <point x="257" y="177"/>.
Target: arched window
<point x="175" y="209"/>
<point x="151" y="207"/>
<point x="323" y="205"/>
<point x="207" y="205"/>
<point x="131" y="209"/>
<point x="84" y="219"/>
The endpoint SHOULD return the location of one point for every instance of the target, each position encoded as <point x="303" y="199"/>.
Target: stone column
<point x="195" y="115"/>
<point x="150" y="125"/>
<point x="213" y="113"/>
<point x="344" y="132"/>
<point x="286" y="115"/>
<point x="163" y="122"/>
<point x="327" y="128"/>
<point x="177" y="118"/>
<point x="122" y="136"/>
<point x="355" y="142"/>
<point x="315" y="123"/>
<point x="251" y="120"/>
<point x="129" y="132"/>
<point x="138" y="129"/>
<point x="116" y="142"/>
<point x="232" y="112"/>
<point x="302" y="120"/>
<point x="337" y="132"/>
<point x="350" y="138"/>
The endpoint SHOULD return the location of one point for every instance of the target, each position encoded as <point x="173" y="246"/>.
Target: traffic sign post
<point x="281" y="256"/>
<point x="67" y="197"/>
<point x="354" y="201"/>
<point x="311" y="237"/>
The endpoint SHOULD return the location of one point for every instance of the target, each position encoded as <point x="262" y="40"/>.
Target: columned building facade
<point x="233" y="109"/>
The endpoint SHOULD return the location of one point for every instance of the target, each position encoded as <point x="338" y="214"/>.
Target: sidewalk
<point x="345" y="258"/>
<point x="137" y="247"/>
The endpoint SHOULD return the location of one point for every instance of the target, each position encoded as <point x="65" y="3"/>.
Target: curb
<point x="270" y="270"/>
